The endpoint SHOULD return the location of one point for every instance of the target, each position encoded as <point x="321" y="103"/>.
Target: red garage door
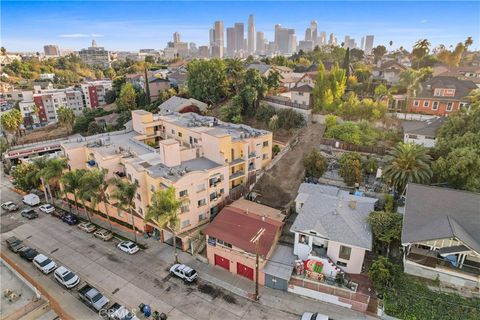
<point x="222" y="262"/>
<point x="245" y="271"/>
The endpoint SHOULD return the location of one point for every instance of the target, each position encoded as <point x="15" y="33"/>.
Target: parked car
<point x="70" y="219"/>
<point x="92" y="297"/>
<point x="128" y="247"/>
<point x="314" y="316"/>
<point x="66" y="278"/>
<point x="29" y="214"/>
<point x="28" y="253"/>
<point x="47" y="208"/>
<point x="44" y="263"/>
<point x="119" y="312"/>
<point x="58" y="214"/>
<point x="87" y="227"/>
<point x="31" y="199"/>
<point x="184" y="272"/>
<point x="103" y="234"/>
<point x="9" y="206"/>
<point x="14" y="244"/>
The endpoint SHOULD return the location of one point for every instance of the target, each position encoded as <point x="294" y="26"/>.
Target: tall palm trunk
<point x="133" y="223"/>
<point x="44" y="187"/>
<point x="76" y="200"/>
<point x="106" y="212"/>
<point x="51" y="194"/>
<point x="175" y="245"/>
<point x="86" y="211"/>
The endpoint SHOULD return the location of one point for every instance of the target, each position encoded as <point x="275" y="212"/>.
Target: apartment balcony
<point x="237" y="161"/>
<point x="237" y="174"/>
<point x="252" y="155"/>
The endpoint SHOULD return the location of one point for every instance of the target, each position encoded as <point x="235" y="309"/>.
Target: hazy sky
<point x="131" y="25"/>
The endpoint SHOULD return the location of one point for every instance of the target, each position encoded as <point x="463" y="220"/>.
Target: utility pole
<point x="256" y="240"/>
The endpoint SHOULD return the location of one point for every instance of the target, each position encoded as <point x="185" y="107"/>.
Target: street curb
<point x="53" y="302"/>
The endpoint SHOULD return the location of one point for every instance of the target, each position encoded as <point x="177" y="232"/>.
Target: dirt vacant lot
<point x="279" y="186"/>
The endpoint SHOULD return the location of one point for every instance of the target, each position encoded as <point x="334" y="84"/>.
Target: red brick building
<point x="441" y="96"/>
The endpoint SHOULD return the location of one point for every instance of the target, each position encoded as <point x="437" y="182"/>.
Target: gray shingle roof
<point x="281" y="262"/>
<point x="260" y="67"/>
<point x="462" y="87"/>
<point x="175" y="104"/>
<point x="426" y="128"/>
<point x="433" y="213"/>
<point x="335" y="214"/>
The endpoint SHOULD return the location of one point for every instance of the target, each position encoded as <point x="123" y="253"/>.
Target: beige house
<point x="203" y="158"/>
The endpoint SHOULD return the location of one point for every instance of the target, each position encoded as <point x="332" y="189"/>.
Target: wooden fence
<point x="352" y="147"/>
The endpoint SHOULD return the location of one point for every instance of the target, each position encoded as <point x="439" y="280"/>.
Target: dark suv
<point x="29" y="214"/>
<point x="14" y="244"/>
<point x="70" y="219"/>
<point x="28" y="253"/>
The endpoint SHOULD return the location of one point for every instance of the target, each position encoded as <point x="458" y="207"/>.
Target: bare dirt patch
<point x="52" y="131"/>
<point x="279" y="186"/>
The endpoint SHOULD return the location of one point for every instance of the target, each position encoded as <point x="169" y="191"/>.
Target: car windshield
<point x="45" y="262"/>
<point x="191" y="273"/>
<point x="69" y="276"/>
<point x="31" y="252"/>
<point x="97" y="297"/>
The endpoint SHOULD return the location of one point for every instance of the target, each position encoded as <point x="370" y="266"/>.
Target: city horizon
<point x="79" y="26"/>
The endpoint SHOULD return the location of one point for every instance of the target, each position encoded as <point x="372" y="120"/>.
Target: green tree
<point x="330" y="121"/>
<point x="207" y="80"/>
<point x="383" y="274"/>
<point x="406" y="163"/>
<point x="11" y="121"/>
<point x="329" y="88"/>
<point x="96" y="181"/>
<point x="452" y="58"/>
<point x="124" y="193"/>
<point x="4" y="145"/>
<point x="370" y="165"/>
<point x="351" y="168"/>
<point x="52" y="172"/>
<point x="147" y="87"/>
<point x="386" y="226"/>
<point x="421" y="48"/>
<point x="127" y="99"/>
<point x="346" y="63"/>
<point x="273" y="123"/>
<point x="232" y="112"/>
<point x="71" y="183"/>
<point x="164" y="210"/>
<point x="94" y="128"/>
<point x="235" y="71"/>
<point x="315" y="164"/>
<point x="273" y="80"/>
<point x="66" y="117"/>
<point x="379" y="52"/>
<point x="25" y="177"/>
<point x="412" y="80"/>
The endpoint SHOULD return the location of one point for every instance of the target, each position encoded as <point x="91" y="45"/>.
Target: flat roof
<point x="259" y="209"/>
<point x="176" y="173"/>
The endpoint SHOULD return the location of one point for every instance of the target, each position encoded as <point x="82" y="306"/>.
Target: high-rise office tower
<point x="323" y="38"/>
<point x="362" y="44"/>
<point x="331" y="40"/>
<point x="368" y="44"/>
<point x="346" y="41"/>
<point x="176" y="37"/>
<point x="276" y="39"/>
<point x="308" y="34"/>
<point x="51" y="50"/>
<point x="260" y="47"/>
<point x="212" y="37"/>
<point x="239" y="36"/>
<point x="231" y="42"/>
<point x="283" y="39"/>
<point x="251" y="34"/>
<point x="292" y="43"/>
<point x="313" y="30"/>
<point x="219" y="31"/>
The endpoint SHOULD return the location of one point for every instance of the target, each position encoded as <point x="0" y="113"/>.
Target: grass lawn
<point x="411" y="299"/>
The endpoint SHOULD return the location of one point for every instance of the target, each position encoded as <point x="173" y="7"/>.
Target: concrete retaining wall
<point x="305" y="113"/>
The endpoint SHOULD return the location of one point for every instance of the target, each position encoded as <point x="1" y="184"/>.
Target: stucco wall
<point x="354" y="264"/>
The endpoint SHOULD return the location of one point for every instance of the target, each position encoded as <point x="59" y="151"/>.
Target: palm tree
<point x="39" y="165"/>
<point x="125" y="194"/>
<point x="163" y="211"/>
<point x="86" y="192"/>
<point x="71" y="183"/>
<point x="468" y="43"/>
<point x="66" y="117"/>
<point x="420" y="49"/>
<point x="11" y="121"/>
<point x="52" y="172"/>
<point x="412" y="80"/>
<point x="235" y="70"/>
<point x="406" y="163"/>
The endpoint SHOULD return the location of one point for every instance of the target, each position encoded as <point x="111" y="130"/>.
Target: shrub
<point x="383" y="273"/>
<point x="330" y="121"/>
<point x="315" y="164"/>
<point x="289" y="119"/>
<point x="275" y="149"/>
<point x="351" y="168"/>
<point x="348" y="132"/>
<point x="264" y="113"/>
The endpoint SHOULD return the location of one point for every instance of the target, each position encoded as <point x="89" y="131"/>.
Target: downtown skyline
<point x="72" y="25"/>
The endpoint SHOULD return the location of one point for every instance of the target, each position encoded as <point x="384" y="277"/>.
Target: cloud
<point x="424" y="21"/>
<point x="80" y="35"/>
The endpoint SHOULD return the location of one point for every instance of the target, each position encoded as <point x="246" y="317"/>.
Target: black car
<point x="28" y="253"/>
<point x="58" y="214"/>
<point x="70" y="219"/>
<point x="29" y="214"/>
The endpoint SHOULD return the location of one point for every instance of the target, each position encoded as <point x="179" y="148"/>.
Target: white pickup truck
<point x="92" y="297"/>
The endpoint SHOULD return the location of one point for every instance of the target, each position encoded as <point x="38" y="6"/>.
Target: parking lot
<point x="123" y="278"/>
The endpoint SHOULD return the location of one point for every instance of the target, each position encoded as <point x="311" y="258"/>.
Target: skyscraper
<point x="332" y="40"/>
<point x="368" y="44"/>
<point x="176" y="37"/>
<point x="323" y="38"/>
<point x="231" y="42"/>
<point x="212" y="37"/>
<point x="362" y="44"/>
<point x="308" y="34"/>
<point x="219" y="31"/>
<point x="284" y="40"/>
<point x="251" y="34"/>
<point x="313" y="30"/>
<point x="51" y="50"/>
<point x="239" y="36"/>
<point x="260" y="48"/>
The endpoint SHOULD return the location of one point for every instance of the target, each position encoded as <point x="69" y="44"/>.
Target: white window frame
<point x="449" y="107"/>
<point x="416" y="103"/>
<point x="435" y="105"/>
<point x="426" y="104"/>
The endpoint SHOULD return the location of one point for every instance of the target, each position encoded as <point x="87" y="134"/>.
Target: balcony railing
<point x="237" y="174"/>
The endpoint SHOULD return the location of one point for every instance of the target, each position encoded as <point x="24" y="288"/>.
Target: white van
<point x="31" y="199"/>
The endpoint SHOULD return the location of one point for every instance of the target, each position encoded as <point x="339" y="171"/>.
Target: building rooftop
<point x="213" y="126"/>
<point x="251" y="206"/>
<point x="281" y="262"/>
<point x="433" y="213"/>
<point x="237" y="227"/>
<point x="462" y="87"/>
<point x="426" y="128"/>
<point x="157" y="169"/>
<point x="176" y="104"/>
<point x="334" y="214"/>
